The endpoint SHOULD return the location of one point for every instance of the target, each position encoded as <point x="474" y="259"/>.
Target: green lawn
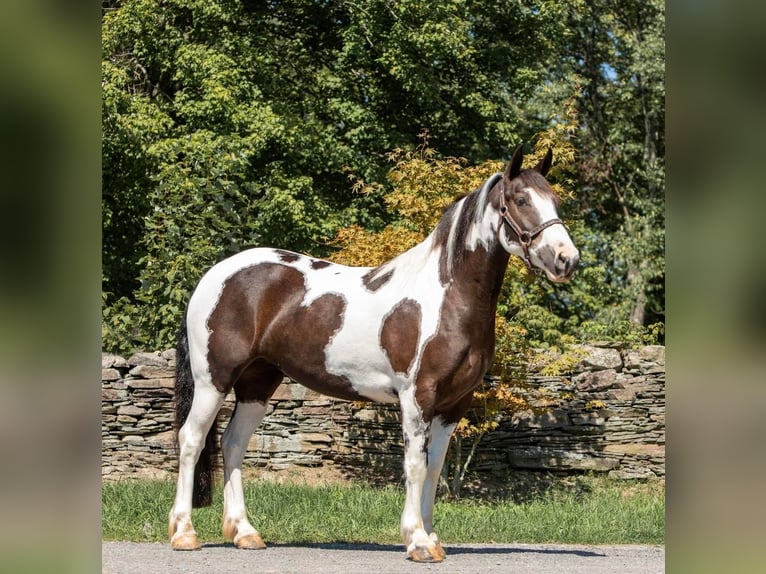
<point x="606" y="512"/>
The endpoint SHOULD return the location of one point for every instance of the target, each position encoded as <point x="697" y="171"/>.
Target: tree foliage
<point x="297" y="123"/>
<point x="228" y="124"/>
<point x="618" y="54"/>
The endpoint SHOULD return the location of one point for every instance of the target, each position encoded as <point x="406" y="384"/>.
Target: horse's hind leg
<point x="191" y="440"/>
<point x="253" y="391"/>
<point x="246" y="418"/>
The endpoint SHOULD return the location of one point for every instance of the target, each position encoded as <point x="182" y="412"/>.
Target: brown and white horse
<point x="418" y="330"/>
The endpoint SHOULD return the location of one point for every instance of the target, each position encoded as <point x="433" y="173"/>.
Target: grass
<point x="605" y="512"/>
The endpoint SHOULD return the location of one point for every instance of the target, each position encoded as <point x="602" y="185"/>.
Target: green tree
<point x="228" y="124"/>
<point x="618" y="53"/>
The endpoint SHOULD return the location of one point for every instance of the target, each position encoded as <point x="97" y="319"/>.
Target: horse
<point x="417" y="330"/>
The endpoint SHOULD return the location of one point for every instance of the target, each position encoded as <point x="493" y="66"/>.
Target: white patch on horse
<point x="355" y="350"/>
<point x="555" y="235"/>
<point x="437" y="450"/>
<point x="415" y="432"/>
<point x="452" y="231"/>
<point x="484" y="231"/>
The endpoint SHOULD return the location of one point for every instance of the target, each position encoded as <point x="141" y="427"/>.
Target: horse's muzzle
<point x="564" y="265"/>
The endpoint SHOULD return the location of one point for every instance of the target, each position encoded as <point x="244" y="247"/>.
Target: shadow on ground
<point x="451" y="550"/>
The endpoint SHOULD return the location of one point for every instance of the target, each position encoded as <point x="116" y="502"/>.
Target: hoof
<point x="433" y="553"/>
<point x="250" y="542"/>
<point x="185" y="542"/>
<point x="439" y="552"/>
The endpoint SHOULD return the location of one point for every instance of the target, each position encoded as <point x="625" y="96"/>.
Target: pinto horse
<point x="418" y="330"/>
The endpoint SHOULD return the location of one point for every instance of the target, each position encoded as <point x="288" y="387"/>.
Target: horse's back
<point x="266" y="310"/>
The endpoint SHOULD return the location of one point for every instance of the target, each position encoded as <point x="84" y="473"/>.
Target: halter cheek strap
<point x="525" y="237"/>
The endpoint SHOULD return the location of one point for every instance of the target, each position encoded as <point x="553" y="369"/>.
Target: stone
<point x="599" y="358"/>
<point x="597" y="418"/>
<point x="632" y="360"/>
<point x="110" y="374"/>
<point x="595" y="381"/>
<point x="152" y="372"/>
<point x="166" y="439"/>
<point x="150" y="383"/>
<point x="555" y="418"/>
<point x="130" y="438"/>
<point x="312" y="411"/>
<point x="275" y="444"/>
<point x="169" y="355"/>
<point x="154" y="359"/>
<point x="147" y="423"/>
<point x="654" y="450"/>
<point x="109" y="361"/>
<point x="130" y="410"/>
<point x="368" y="415"/>
<point x="316" y="437"/>
<point x="653" y="354"/>
<point x="110" y="395"/>
<point x="289" y="392"/>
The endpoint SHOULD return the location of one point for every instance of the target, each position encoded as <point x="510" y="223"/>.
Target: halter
<point x="525" y="237"/>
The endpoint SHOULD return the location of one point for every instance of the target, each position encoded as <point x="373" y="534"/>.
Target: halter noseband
<point x="525" y="237"/>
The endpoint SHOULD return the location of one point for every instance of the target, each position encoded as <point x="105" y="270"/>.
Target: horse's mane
<point x="455" y="225"/>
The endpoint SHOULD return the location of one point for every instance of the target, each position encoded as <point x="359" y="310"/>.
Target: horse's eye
<point x="522" y="202"/>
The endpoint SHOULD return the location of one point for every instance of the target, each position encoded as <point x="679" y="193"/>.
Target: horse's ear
<point x="545" y="164"/>
<point x="514" y="168"/>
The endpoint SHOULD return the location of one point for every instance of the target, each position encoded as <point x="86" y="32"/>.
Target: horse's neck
<point x="479" y="277"/>
<point x="477" y="274"/>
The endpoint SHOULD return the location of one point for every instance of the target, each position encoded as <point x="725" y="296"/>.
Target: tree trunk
<point x="638" y="312"/>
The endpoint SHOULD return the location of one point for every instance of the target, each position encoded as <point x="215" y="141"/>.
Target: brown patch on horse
<point x="373" y="283"/>
<point x="300" y="340"/>
<point x="287" y="256"/>
<point x="459" y="354"/>
<point x="259" y="330"/>
<point x="400" y="333"/>
<point x="248" y="303"/>
<point x="258" y="382"/>
<point x="319" y="263"/>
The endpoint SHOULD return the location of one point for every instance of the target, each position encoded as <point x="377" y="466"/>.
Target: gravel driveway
<point x="142" y="558"/>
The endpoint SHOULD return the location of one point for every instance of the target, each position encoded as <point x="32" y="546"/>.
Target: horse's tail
<point x="202" y="494"/>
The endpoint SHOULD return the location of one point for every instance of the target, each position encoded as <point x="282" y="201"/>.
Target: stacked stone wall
<point x="608" y="417"/>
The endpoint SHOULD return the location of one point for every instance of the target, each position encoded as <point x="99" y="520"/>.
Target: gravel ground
<point x="142" y="558"/>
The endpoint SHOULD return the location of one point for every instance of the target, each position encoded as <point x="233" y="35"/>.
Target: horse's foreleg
<point x="246" y="418"/>
<point x="437" y="450"/>
<point x="191" y="439"/>
<point x="420" y="546"/>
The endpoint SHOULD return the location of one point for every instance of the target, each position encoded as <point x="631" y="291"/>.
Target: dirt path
<point x="142" y="558"/>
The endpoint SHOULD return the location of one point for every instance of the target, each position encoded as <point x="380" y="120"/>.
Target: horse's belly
<point x="356" y="387"/>
<point x="356" y="356"/>
<point x="377" y="388"/>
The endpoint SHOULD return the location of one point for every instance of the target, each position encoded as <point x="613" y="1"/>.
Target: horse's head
<point x="529" y="223"/>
